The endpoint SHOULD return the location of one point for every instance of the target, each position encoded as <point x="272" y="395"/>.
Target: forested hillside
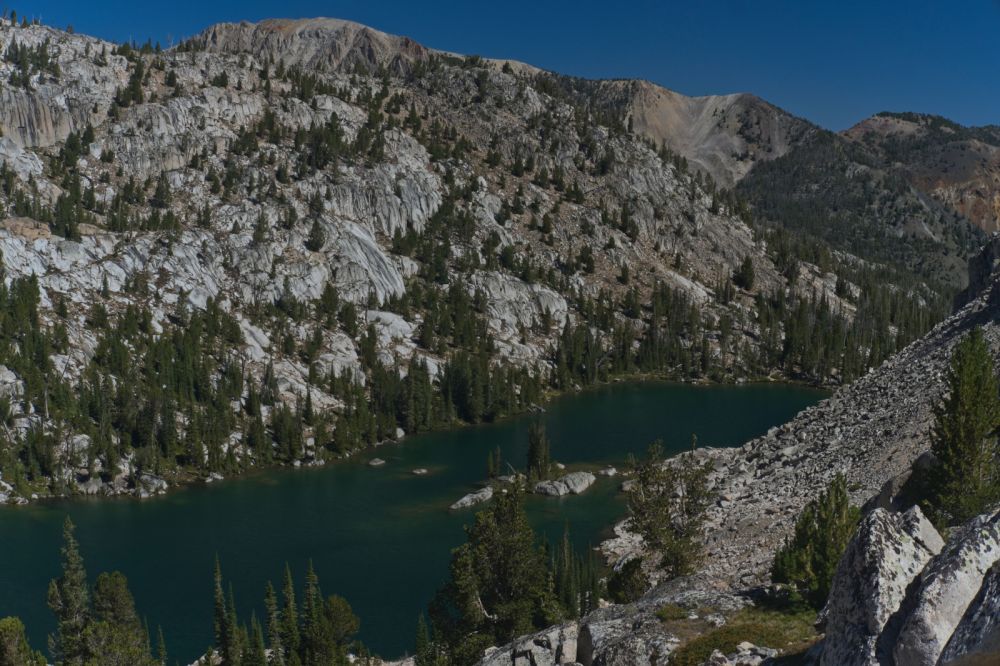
<point x="279" y="243"/>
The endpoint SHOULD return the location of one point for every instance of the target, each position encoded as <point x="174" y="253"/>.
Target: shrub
<point x="628" y="583"/>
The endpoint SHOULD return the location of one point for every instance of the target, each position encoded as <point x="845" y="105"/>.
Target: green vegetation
<point x="672" y="612"/>
<point x="628" y="583"/>
<point x="499" y="585"/>
<point x="98" y="625"/>
<point x="809" y="558"/>
<point x="667" y="505"/>
<point x="790" y="632"/>
<point x="30" y="61"/>
<point x="966" y="477"/>
<point x="539" y="458"/>
<point x="503" y="584"/>
<point x="318" y="631"/>
<point x="14" y="647"/>
<point x="852" y="199"/>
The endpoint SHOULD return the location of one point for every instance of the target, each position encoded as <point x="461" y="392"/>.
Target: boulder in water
<point x="575" y="483"/>
<point x="478" y="497"/>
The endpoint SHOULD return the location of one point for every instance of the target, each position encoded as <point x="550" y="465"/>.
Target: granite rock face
<point x="900" y="597"/>
<point x="618" y="635"/>
<point x="976" y="639"/>
<point x="948" y="586"/>
<point x="886" y="555"/>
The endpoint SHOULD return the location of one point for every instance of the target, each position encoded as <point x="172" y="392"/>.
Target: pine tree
<point x="289" y="616"/>
<point x="966" y="478"/>
<point x="423" y="653"/>
<point x="161" y="197"/>
<point x="220" y="616"/>
<point x="499" y="584"/>
<point x="116" y="634"/>
<point x="14" y="647"/>
<point x="69" y="599"/>
<point x="745" y="276"/>
<point x="317" y="237"/>
<point x="256" y="653"/>
<point x="667" y="507"/>
<point x="809" y="558"/>
<point x="539" y="460"/>
<point x="274" y="628"/>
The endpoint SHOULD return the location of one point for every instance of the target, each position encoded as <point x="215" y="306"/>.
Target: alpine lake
<point x="379" y="536"/>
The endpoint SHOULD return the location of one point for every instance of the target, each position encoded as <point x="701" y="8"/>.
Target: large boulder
<point x="574" y="483"/>
<point x="976" y="639"/>
<point x="478" y="497"/>
<point x="886" y="554"/>
<point x="549" y="647"/>
<point x="947" y="587"/>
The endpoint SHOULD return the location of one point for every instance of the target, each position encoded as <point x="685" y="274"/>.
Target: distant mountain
<point x="956" y="165"/>
<point x="853" y="198"/>
<point x="724" y="135"/>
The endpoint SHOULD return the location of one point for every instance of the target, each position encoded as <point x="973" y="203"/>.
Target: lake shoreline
<point x="375" y="534"/>
<point x="157" y="485"/>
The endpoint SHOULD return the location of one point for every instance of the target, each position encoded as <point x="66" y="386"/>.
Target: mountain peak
<point x="322" y="44"/>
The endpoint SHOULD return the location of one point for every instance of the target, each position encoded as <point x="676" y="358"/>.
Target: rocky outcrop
<point x="982" y="268"/>
<point x="746" y="654"/>
<point x="886" y="554"/>
<point x="551" y="647"/>
<point x="976" y="639"/>
<point x="618" y="635"/>
<point x="951" y="163"/>
<point x="472" y="499"/>
<point x="319" y="44"/>
<point x="894" y="602"/>
<point x="872" y="430"/>
<point x="947" y="588"/>
<point x="724" y="135"/>
<point x="573" y="483"/>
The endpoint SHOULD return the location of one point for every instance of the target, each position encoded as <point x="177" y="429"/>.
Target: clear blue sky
<point x="831" y="62"/>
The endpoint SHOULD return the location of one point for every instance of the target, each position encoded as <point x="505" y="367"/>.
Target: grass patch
<point x="672" y="612"/>
<point x="786" y="631"/>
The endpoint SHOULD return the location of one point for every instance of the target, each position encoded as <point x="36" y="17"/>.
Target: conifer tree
<point x="966" y="478"/>
<point x="69" y="599"/>
<point x="667" y="507"/>
<point x="289" y="616"/>
<point x="499" y="585"/>
<point x="423" y="654"/>
<point x="14" y="647"/>
<point x="317" y="237"/>
<point x="539" y="460"/>
<point x="274" y="626"/>
<point x="809" y="558"/>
